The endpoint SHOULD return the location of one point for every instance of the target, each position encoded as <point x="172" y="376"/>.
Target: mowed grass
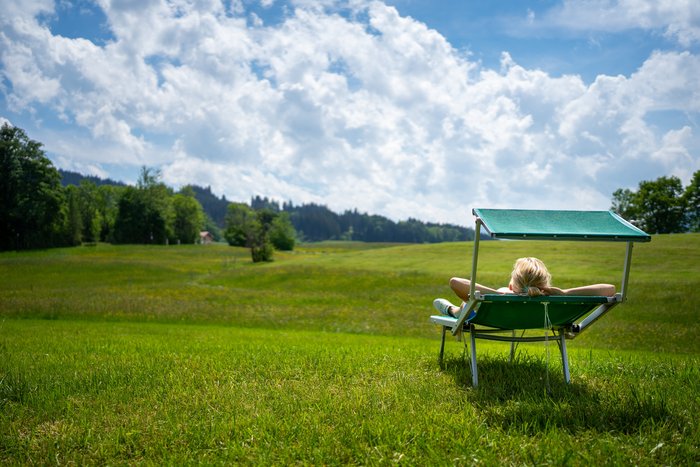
<point x="111" y="393"/>
<point x="191" y="354"/>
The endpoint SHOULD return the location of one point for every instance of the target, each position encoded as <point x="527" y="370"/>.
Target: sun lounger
<point x="502" y="317"/>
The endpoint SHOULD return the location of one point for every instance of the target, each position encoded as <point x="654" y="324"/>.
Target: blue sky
<point x="405" y="108"/>
<point x="487" y="28"/>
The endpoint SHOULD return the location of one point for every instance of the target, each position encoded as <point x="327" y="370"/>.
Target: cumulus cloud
<point x="352" y="106"/>
<point x="677" y="20"/>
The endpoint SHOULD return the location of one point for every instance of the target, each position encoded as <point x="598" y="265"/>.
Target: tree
<point x="148" y="177"/>
<point x="661" y="205"/>
<point x="248" y="228"/>
<point x="692" y="203"/>
<point x="240" y="224"/>
<point x="189" y="216"/>
<point x="108" y="207"/>
<point x="74" y="219"/>
<point x="131" y="211"/>
<point x="145" y="213"/>
<point x="624" y="203"/>
<point x="316" y="223"/>
<point x="88" y="203"/>
<point x="32" y="202"/>
<point x="160" y="217"/>
<point x="261" y="247"/>
<point x="258" y="204"/>
<point x="282" y="233"/>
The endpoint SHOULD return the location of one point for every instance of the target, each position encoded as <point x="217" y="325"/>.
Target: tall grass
<point x="176" y="355"/>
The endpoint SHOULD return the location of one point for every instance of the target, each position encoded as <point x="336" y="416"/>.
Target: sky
<point x="404" y="108"/>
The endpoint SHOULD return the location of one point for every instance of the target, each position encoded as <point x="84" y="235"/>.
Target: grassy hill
<point x="129" y="354"/>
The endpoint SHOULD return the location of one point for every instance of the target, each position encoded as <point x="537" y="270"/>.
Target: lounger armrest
<point x="465" y="312"/>
<point x="443" y="320"/>
<point x="579" y="327"/>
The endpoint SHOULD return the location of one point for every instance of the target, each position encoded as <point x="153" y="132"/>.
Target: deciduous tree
<point x="692" y="202"/>
<point x="108" y="206"/>
<point x="88" y="202"/>
<point x="240" y="224"/>
<point x="624" y="202"/>
<point x="189" y="216"/>
<point x="661" y="205"/>
<point x="74" y="219"/>
<point x="249" y="228"/>
<point x="32" y="202"/>
<point x="282" y="234"/>
<point x="145" y="213"/>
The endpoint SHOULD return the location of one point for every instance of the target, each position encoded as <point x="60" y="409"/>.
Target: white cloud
<point x="678" y="20"/>
<point x="367" y="110"/>
<point x="673" y="153"/>
<point x="25" y="11"/>
<point x="614" y="112"/>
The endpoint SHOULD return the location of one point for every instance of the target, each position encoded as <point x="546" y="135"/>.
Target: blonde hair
<point x="530" y="276"/>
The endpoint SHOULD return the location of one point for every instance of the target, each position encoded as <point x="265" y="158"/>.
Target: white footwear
<point x="444" y="307"/>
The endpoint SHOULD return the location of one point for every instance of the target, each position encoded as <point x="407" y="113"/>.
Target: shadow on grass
<point x="529" y="395"/>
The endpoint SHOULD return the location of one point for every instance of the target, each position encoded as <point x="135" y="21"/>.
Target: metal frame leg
<point x="475" y="376"/>
<point x="442" y="344"/>
<point x="512" y="348"/>
<point x="564" y="356"/>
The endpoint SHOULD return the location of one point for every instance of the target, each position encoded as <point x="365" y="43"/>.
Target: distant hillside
<point x="74" y="178"/>
<point x="214" y="206"/>
<point x="314" y="222"/>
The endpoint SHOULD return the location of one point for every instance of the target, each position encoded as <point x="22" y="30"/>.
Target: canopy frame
<point x="557" y="225"/>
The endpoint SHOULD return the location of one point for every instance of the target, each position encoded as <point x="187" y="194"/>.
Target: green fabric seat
<point x="518" y="312"/>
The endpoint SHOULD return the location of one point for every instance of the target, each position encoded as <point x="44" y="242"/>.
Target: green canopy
<point x="559" y="225"/>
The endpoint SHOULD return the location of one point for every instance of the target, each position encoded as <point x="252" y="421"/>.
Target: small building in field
<point x="205" y="238"/>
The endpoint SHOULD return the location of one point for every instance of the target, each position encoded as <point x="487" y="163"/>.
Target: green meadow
<point x="193" y="354"/>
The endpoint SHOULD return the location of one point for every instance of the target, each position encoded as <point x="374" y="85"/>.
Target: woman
<point x="529" y="277"/>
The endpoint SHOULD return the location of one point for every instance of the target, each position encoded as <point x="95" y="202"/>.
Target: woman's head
<point x="530" y="276"/>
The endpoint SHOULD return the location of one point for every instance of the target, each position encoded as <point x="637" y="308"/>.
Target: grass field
<point x="192" y="354"/>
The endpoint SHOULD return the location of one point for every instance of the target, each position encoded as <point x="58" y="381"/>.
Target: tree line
<point x="662" y="205"/>
<point x="43" y="207"/>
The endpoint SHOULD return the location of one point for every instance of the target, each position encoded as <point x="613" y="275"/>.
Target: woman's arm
<point x="461" y="288"/>
<point x="606" y="290"/>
